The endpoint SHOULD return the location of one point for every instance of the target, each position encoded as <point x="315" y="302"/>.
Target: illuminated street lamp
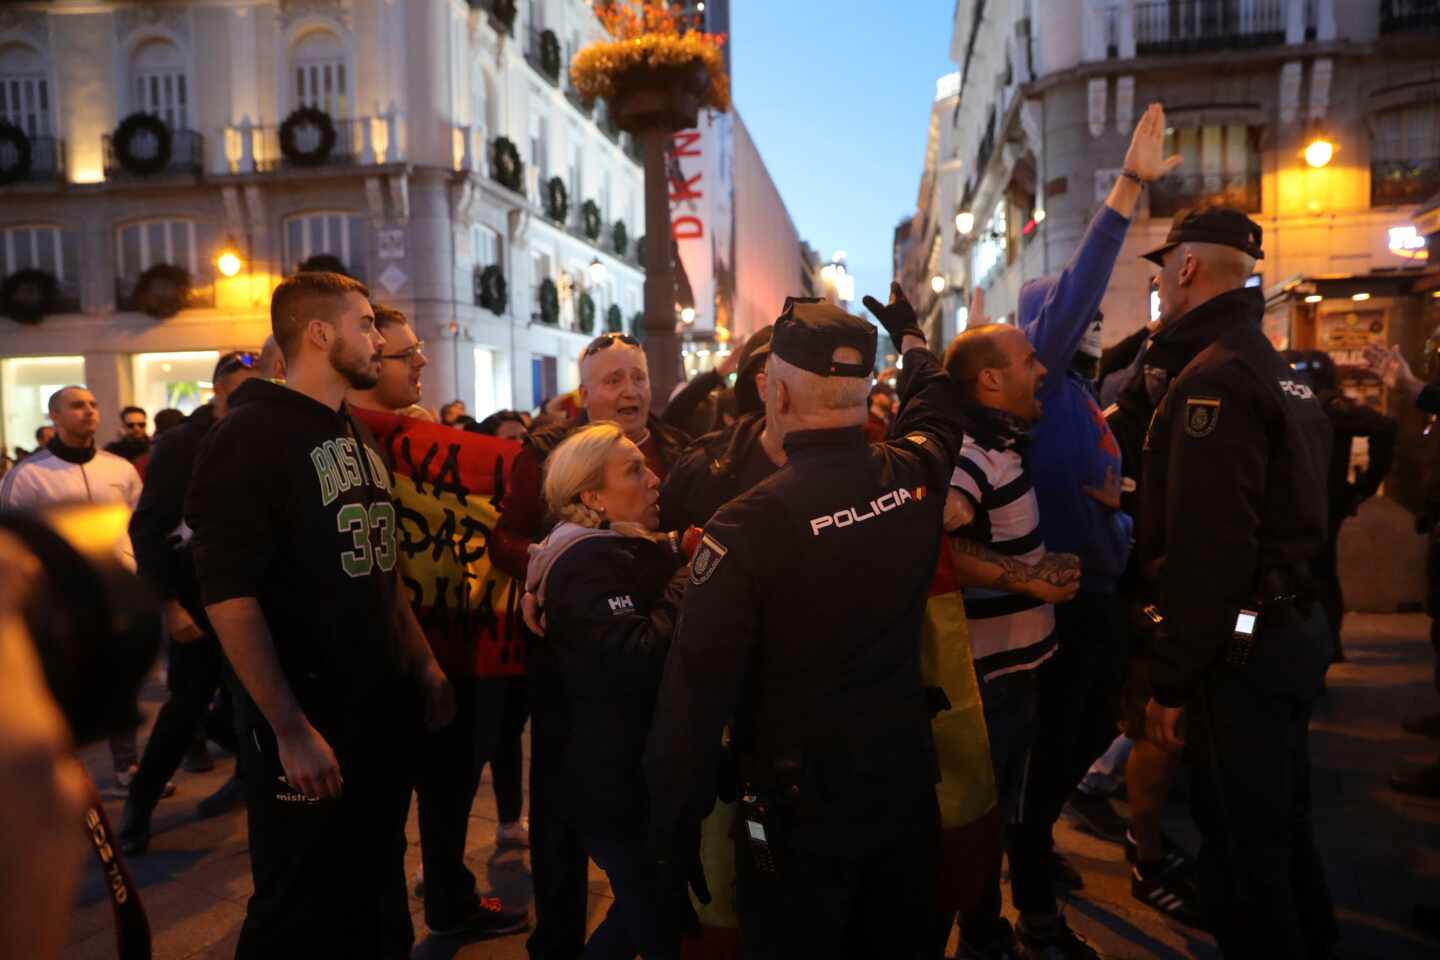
<point x="228" y="263"/>
<point x="937" y="283"/>
<point x="596" y="272"/>
<point x="965" y="222"/>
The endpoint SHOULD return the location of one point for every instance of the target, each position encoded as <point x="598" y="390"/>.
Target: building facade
<point x="1028" y="135"/>
<point x="363" y="134"/>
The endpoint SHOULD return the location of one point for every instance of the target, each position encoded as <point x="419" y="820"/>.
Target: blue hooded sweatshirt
<point x="1071" y="447"/>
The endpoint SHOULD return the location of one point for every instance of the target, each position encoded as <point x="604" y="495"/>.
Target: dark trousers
<point x="632" y="925"/>
<point x="447" y="776"/>
<point x="1432" y="595"/>
<point x="1325" y="573"/>
<point x="874" y="899"/>
<point x="1010" y="720"/>
<point x="1260" y="874"/>
<point x="507" y="765"/>
<point x="558" y="863"/>
<point x="1077" y="693"/>
<point x="330" y="875"/>
<point x="194" y="675"/>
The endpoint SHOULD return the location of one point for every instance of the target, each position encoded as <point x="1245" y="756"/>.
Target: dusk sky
<point x="837" y="98"/>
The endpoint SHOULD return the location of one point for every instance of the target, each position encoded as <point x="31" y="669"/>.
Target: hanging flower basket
<point x="614" y="319"/>
<point x="658" y="69"/>
<point x="15" y="153"/>
<point x="307" y="137"/>
<point x="142" y="144"/>
<point x="490" y="289"/>
<point x="590" y="218"/>
<point x="557" y="200"/>
<point x="161" y="291"/>
<point x="27" y="295"/>
<point x="620" y="237"/>
<point x="506" y="163"/>
<point x="549" y="302"/>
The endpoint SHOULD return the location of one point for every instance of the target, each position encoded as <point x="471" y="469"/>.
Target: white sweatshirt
<point x="42" y="479"/>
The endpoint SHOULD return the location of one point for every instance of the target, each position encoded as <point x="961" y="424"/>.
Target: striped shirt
<point x="1009" y="632"/>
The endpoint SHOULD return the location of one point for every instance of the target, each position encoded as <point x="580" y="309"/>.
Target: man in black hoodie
<point x="295" y="547"/>
<point x="162" y="554"/>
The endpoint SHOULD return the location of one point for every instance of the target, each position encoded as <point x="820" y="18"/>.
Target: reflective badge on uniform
<point x="1201" y="415"/>
<point x="707" y="560"/>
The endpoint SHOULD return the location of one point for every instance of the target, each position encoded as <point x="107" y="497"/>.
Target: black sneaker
<point x="999" y="946"/>
<point x="230" y="796"/>
<point x="1168" y="888"/>
<point x="1096" y="816"/>
<point x="489" y="919"/>
<point x="1058" y="942"/>
<point x="1170" y="847"/>
<point x="1065" y="875"/>
<point x="1426" y="725"/>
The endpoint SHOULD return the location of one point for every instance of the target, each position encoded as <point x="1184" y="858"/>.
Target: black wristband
<point x="1129" y="174"/>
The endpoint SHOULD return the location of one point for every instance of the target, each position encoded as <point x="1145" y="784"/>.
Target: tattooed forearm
<point x="1007" y="573"/>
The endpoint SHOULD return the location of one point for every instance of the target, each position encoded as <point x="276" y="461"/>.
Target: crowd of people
<point x="724" y="681"/>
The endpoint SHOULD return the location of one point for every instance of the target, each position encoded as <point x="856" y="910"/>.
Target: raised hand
<point x="1146" y="156"/>
<point x="897" y="317"/>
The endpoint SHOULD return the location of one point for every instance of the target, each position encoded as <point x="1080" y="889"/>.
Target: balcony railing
<point x="1178" y="191"/>
<point x="359" y="142"/>
<point x="1183" y="26"/>
<point x="1403" y="16"/>
<point x="187" y="156"/>
<point x="201" y="293"/>
<point x="47" y="159"/>
<point x="1396" y="182"/>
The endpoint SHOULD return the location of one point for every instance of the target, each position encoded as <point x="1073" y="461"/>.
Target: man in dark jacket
<point x="725" y="463"/>
<point x="799" y="626"/>
<point x="1233" y="511"/>
<point x="615" y="385"/>
<point x="162" y="554"/>
<point x="295" y="548"/>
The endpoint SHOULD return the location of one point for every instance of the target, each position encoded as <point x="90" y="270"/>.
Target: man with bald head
<point x="1233" y="511"/>
<point x="801" y="629"/>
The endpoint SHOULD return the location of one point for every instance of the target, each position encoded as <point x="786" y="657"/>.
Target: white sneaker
<point x="515" y="834"/>
<point x="123" y="779"/>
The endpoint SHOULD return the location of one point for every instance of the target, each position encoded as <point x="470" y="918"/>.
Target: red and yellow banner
<point x="448" y="488"/>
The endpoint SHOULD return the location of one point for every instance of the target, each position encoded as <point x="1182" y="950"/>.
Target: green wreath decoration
<point x="549" y="302"/>
<point x="323" y="263"/>
<point x="27" y="295"/>
<point x="557" y="200"/>
<point x="162" y="290"/>
<point x="505" y="164"/>
<point x="490" y="289"/>
<point x="550" y="55"/>
<point x="637" y="325"/>
<point x="585" y="313"/>
<point x="123" y="141"/>
<point x="614" y="319"/>
<point x="590" y="219"/>
<point x="504" y="12"/>
<point x="640" y="250"/>
<point x="620" y="237"/>
<point x="299" y="119"/>
<point x="19" y="150"/>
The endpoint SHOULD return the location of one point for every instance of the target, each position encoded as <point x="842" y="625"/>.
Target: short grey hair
<point x="812" y="393"/>
<point x="1220" y="258"/>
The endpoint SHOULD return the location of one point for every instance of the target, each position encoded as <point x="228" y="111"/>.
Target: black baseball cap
<point x="809" y="332"/>
<point x="1223" y="225"/>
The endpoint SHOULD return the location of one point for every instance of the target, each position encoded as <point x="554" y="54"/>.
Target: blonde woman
<point x="606" y="590"/>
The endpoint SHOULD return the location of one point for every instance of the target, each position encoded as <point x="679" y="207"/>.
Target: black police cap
<point x="1223" y="225"/>
<point x="809" y="332"/>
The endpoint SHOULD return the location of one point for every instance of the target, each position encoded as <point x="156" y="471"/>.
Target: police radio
<point x="1242" y="640"/>
<point x="753" y="812"/>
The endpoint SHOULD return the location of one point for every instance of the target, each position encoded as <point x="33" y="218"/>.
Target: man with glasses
<point x="134" y="440"/>
<point x="614" y="385"/>
<point x="162" y="553"/>
<point x="449" y="760"/>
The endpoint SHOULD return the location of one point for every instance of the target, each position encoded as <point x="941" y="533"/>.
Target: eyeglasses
<point x="409" y="353"/>
<point x="235" y="361"/>
<point x="605" y="340"/>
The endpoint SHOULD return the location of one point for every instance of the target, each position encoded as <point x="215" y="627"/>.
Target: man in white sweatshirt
<point x="72" y="469"/>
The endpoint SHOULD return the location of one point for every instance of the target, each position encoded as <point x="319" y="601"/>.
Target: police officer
<point x="1233" y="511"/>
<point x="802" y="623"/>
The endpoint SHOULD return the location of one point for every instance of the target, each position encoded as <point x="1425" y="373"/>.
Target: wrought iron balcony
<point x="47" y="160"/>
<point x="1409" y="16"/>
<point x="359" y="142"/>
<point x="187" y="157"/>
<point x="1397" y="182"/>
<point x="1185" y="26"/>
<point x="1174" y="193"/>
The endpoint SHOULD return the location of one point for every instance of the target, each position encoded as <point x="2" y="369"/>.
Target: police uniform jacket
<point x="802" y="622"/>
<point x="1233" y="498"/>
<point x="706" y="477"/>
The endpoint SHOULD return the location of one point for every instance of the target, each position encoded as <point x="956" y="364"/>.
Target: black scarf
<point x="71" y="454"/>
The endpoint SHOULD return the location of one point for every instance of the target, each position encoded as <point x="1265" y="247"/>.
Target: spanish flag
<point x="448" y="487"/>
